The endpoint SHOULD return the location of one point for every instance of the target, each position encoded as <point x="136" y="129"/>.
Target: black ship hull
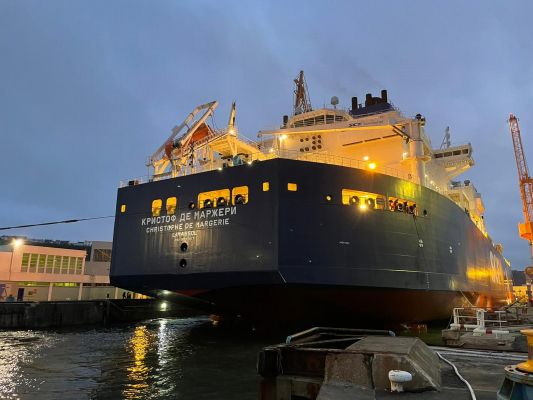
<point x="303" y="253"/>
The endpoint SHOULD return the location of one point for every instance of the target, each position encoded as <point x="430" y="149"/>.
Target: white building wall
<point x="48" y="282"/>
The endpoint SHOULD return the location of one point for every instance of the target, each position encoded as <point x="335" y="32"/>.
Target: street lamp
<point x="15" y="243"/>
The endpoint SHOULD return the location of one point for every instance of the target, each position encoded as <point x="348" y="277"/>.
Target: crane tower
<point x="525" y="228"/>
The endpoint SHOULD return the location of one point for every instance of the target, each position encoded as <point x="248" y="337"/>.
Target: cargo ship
<point x="336" y="213"/>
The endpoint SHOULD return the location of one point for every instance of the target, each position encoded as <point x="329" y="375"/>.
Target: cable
<point x="472" y="394"/>
<point x="66" y="221"/>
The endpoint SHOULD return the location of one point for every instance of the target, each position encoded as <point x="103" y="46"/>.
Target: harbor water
<point x="157" y="359"/>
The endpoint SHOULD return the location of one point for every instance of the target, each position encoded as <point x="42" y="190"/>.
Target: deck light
<point x="372" y="165"/>
<point x="283" y="137"/>
<point x="250" y="162"/>
<point x="219" y="168"/>
<point x="365" y="158"/>
<point x="363" y="207"/>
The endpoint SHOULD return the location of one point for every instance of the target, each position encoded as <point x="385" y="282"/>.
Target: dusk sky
<point x="89" y="89"/>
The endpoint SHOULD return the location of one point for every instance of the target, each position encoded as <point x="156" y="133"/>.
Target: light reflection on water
<point x="157" y="359"/>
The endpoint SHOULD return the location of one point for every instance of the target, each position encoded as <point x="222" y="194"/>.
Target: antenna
<point x="302" y="102"/>
<point x="446" y="142"/>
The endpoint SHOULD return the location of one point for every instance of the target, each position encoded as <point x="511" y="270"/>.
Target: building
<point x="39" y="270"/>
<point x="519" y="286"/>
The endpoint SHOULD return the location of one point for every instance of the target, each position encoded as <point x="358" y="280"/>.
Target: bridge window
<point x="240" y="195"/>
<point x="292" y="187"/>
<point x="123" y="208"/>
<point x="171" y="205"/>
<point x="213" y="198"/>
<point x="363" y="199"/>
<point x="266" y="186"/>
<point x="156" y="207"/>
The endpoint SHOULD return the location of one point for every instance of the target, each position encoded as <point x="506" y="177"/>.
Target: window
<point x="363" y="199"/>
<point x="102" y="255"/>
<point x="64" y="265"/>
<point x="72" y="268"/>
<point x="156" y="207"/>
<point x="123" y="208"/>
<point x="266" y="186"/>
<point x="79" y="265"/>
<point x="240" y="195"/>
<point x="49" y="264"/>
<point x="171" y="204"/>
<point x="57" y="264"/>
<point x="214" y="198"/>
<point x="292" y="187"/>
<point x="25" y="262"/>
<point x="41" y="263"/>
<point x="33" y="263"/>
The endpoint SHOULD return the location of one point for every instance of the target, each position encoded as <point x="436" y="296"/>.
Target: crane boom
<point x="526" y="183"/>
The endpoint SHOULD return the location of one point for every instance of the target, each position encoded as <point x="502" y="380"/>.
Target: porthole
<point x="302" y="150"/>
<point x="192" y="206"/>
<point x="184" y="247"/>
<point x="314" y="147"/>
<point x="307" y="139"/>
<point x="221" y="202"/>
<point x="301" y="140"/>
<point x="314" y="142"/>
<point x="239" y="199"/>
<point x="314" y="137"/>
<point x="425" y="213"/>
<point x="183" y="263"/>
<point x="354" y="200"/>
<point x="329" y="197"/>
<point x="208" y="203"/>
<point x="307" y="149"/>
<point x="319" y="146"/>
<point x="319" y="136"/>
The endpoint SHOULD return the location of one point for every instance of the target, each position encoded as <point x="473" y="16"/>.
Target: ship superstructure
<point x="332" y="207"/>
<point x="375" y="136"/>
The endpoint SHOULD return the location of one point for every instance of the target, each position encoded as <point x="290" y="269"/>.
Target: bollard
<point x="527" y="366"/>
<point x="397" y="378"/>
<point x="518" y="382"/>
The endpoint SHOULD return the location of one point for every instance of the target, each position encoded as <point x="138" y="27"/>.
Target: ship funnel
<point x="285" y="120"/>
<point x="368" y="99"/>
<point x="384" y="96"/>
<point x="354" y="104"/>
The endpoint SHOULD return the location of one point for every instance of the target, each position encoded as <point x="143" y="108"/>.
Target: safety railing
<point x="323" y="158"/>
<point x="479" y="320"/>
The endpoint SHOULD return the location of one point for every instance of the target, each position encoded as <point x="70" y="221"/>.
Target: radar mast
<point x="302" y="102"/>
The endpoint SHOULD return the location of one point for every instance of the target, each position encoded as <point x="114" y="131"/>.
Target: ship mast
<point x="526" y="183"/>
<point x="302" y="102"/>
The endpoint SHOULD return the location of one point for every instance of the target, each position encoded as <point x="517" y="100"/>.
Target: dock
<point x="327" y="364"/>
<point x="55" y="314"/>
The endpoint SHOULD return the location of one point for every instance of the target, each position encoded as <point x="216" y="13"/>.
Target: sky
<point x="89" y="89"/>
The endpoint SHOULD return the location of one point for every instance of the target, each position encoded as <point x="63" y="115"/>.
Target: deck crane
<point x="525" y="228"/>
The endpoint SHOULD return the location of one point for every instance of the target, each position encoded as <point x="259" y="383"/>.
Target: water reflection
<point x="158" y="359"/>
<point x="138" y="372"/>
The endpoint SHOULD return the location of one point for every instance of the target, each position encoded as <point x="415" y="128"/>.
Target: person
<point x="129" y="295"/>
<point x="107" y="295"/>
<point x="10" y="298"/>
<point x="123" y="295"/>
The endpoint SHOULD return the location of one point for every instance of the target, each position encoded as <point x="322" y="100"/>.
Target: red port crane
<point x="526" y="183"/>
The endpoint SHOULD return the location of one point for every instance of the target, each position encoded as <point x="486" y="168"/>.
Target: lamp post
<point x="15" y="243"/>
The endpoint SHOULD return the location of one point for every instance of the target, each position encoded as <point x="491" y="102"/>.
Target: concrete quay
<point x="339" y="366"/>
<point x="55" y="314"/>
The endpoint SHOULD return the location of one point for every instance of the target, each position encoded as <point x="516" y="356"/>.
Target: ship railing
<point x="479" y="320"/>
<point x="322" y="157"/>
